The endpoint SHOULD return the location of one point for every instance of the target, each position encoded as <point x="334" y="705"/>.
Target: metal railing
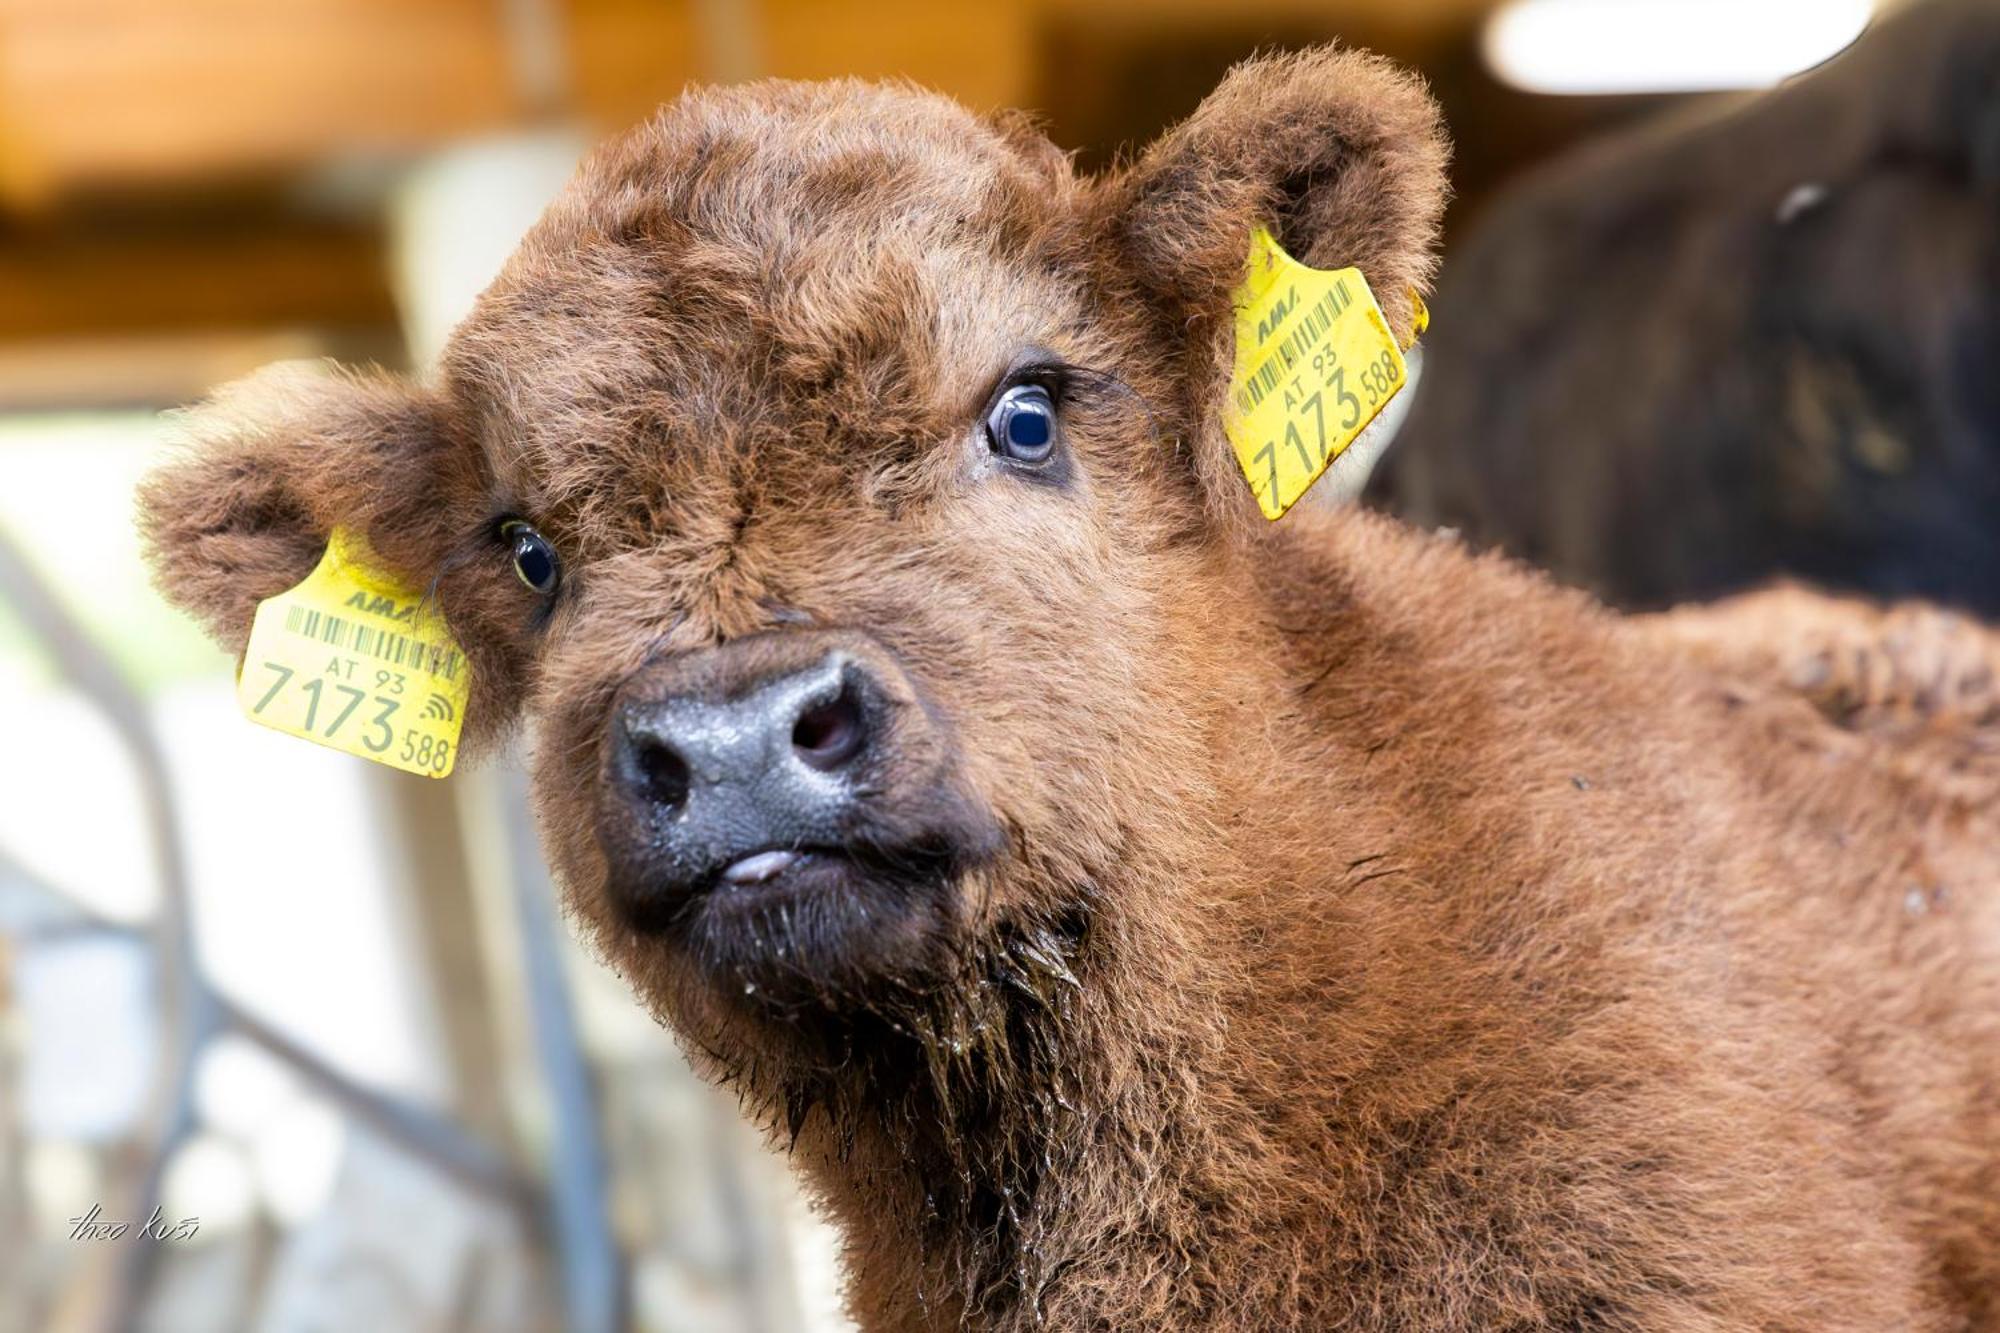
<point x="565" y="1205"/>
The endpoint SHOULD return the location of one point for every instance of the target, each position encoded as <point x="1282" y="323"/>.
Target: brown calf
<point x="1130" y="914"/>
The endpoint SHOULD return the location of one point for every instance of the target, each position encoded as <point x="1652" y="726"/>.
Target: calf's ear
<point x="270" y="465"/>
<point x="1340" y="153"/>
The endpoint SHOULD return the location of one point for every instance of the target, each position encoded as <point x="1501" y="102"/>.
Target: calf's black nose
<point x="773" y="737"/>
<point x="736" y="757"/>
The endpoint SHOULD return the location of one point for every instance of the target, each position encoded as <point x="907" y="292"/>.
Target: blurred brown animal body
<point x="1753" y="338"/>
<point x="1226" y="925"/>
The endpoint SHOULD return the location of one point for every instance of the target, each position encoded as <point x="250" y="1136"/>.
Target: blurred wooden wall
<point x="206" y="173"/>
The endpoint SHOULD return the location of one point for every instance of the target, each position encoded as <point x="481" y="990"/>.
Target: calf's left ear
<point x="1341" y="153"/>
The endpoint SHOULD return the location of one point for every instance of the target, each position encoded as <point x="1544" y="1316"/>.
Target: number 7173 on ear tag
<point x="354" y="658"/>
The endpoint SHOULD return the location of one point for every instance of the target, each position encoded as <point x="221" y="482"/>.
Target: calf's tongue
<point x="758" y="867"/>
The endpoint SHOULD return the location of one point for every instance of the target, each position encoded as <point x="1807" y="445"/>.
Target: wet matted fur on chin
<point x="1125" y="912"/>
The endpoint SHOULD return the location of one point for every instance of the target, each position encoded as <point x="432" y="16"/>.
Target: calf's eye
<point x="1022" y="425"/>
<point x="535" y="562"/>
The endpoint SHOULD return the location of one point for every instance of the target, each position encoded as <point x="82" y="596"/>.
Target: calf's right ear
<point x="270" y="465"/>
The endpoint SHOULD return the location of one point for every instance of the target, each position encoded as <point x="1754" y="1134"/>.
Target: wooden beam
<point x="96" y="92"/>
<point x="62" y="283"/>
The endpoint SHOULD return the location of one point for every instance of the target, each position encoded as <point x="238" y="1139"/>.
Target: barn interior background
<point x="330" y="1011"/>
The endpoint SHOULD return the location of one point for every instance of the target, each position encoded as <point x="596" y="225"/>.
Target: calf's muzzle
<point x="725" y="767"/>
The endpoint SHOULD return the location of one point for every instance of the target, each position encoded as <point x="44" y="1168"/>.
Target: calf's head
<point x="835" y="482"/>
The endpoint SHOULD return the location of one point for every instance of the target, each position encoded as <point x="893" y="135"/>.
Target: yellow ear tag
<point x="1315" y="363"/>
<point x="354" y="658"/>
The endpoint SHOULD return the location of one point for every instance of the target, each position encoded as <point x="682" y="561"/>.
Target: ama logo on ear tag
<point x="354" y="659"/>
<point x="1315" y="363"/>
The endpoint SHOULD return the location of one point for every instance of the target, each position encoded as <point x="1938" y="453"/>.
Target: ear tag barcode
<point x="1315" y="363"/>
<point x="355" y="659"/>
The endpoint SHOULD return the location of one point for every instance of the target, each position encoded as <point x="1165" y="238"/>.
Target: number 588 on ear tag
<point x="353" y="658"/>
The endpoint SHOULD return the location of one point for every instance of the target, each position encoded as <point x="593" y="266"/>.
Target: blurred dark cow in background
<point x="1762" y="339"/>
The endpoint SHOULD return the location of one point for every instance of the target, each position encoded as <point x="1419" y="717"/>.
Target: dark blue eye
<point x="1022" y="425"/>
<point x="535" y="562"/>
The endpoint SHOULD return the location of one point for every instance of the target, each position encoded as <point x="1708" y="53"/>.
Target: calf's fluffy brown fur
<point x="1372" y="935"/>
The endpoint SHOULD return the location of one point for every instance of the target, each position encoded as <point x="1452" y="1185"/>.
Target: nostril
<point x="662" y="773"/>
<point x="828" y="735"/>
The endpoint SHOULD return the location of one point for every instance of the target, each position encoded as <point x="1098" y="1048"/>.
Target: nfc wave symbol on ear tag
<point x="1315" y="363"/>
<point x="353" y="658"/>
